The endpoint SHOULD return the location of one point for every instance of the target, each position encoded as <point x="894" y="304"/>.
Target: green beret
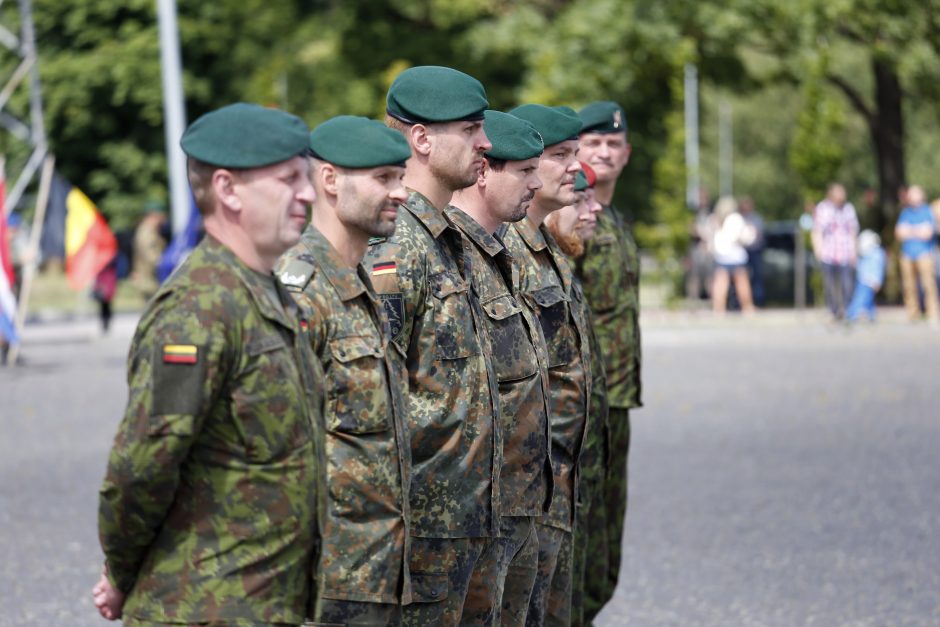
<point x="554" y="124"/>
<point x="430" y="93"/>
<point x="245" y="135"/>
<point x="580" y="182"/>
<point x="350" y="141"/>
<point x="513" y="138"/>
<point x="603" y="117"/>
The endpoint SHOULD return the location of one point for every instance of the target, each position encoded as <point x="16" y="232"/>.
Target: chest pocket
<point x="600" y="273"/>
<point x="268" y="380"/>
<point x="453" y="319"/>
<point x="557" y="326"/>
<point x="357" y="393"/>
<point x="512" y="353"/>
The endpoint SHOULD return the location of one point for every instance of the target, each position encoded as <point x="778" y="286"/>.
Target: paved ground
<point x="783" y="472"/>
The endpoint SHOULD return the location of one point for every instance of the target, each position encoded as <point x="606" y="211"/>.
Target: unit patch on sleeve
<point x="394" y="305"/>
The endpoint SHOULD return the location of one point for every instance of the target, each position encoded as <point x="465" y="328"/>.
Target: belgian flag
<point x="76" y="231"/>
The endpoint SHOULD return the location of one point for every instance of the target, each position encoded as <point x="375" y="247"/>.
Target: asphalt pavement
<point x="784" y="471"/>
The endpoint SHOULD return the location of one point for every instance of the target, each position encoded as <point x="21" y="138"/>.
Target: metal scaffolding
<point x="25" y="76"/>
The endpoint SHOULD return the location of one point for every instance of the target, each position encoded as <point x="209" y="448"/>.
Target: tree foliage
<point x="798" y="120"/>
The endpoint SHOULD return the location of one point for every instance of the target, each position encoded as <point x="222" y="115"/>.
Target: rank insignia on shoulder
<point x="180" y="354"/>
<point x="386" y="267"/>
<point x="292" y="279"/>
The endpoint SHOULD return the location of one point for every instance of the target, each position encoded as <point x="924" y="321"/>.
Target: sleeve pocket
<point x="358" y="393"/>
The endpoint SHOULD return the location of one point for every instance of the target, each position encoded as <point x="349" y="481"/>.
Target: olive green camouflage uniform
<point x="590" y="527"/>
<point x="364" y="549"/>
<point x="609" y="271"/>
<point x="421" y="275"/>
<point x="517" y="351"/>
<point x="208" y="512"/>
<point x="555" y="295"/>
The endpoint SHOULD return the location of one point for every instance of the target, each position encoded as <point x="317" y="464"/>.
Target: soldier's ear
<point x="327" y="177"/>
<point x="420" y="139"/>
<point x="223" y="186"/>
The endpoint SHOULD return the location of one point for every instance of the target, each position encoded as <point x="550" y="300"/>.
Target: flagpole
<point x="174" y="112"/>
<point x="32" y="256"/>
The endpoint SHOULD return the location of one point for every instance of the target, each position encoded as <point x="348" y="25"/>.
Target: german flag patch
<point x="180" y="354"/>
<point x="386" y="267"/>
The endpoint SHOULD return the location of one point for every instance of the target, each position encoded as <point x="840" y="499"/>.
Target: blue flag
<point x="182" y="243"/>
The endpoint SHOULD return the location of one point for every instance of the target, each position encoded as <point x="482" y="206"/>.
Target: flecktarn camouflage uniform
<point x="421" y="276"/>
<point x="555" y="295"/>
<point x="363" y="576"/>
<point x="208" y="512"/>
<point x="609" y="271"/>
<point x="518" y="356"/>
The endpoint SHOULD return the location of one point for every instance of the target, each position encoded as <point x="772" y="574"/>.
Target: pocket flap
<point x="346" y="349"/>
<point x="265" y="344"/>
<point x="548" y="296"/>
<point x="428" y="587"/>
<point x="444" y="284"/>
<point x="501" y="307"/>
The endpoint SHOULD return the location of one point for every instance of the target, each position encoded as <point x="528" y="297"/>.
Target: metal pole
<point x="725" y="148"/>
<point x="35" y="97"/>
<point x="174" y="112"/>
<point x="32" y="257"/>
<point x="691" y="137"/>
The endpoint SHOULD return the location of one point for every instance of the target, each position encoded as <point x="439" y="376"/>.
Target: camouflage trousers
<point x="502" y="582"/>
<point x="590" y="585"/>
<point x="441" y="570"/>
<point x="336" y="613"/>
<point x="550" y="603"/>
<point x="615" y="487"/>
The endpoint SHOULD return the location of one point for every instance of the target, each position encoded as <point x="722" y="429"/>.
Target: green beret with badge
<point x="603" y="117"/>
<point x="431" y="93"/>
<point x="513" y="138"/>
<point x="554" y="124"/>
<point x="244" y="135"/>
<point x="351" y="141"/>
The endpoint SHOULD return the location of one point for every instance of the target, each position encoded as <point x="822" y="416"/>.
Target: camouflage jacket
<point x="610" y="273"/>
<point x="553" y="293"/>
<point x="593" y="461"/>
<point x="421" y="275"/>
<point x="518" y="356"/>
<point x="209" y="507"/>
<point x="365" y="531"/>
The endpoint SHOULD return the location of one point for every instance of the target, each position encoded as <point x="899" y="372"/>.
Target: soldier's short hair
<point x="398" y="125"/>
<point x="497" y="165"/>
<point x="200" y="180"/>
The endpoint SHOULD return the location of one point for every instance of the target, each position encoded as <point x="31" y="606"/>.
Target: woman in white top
<point x="731" y="236"/>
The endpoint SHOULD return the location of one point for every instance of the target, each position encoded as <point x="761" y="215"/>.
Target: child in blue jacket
<point x="870" y="274"/>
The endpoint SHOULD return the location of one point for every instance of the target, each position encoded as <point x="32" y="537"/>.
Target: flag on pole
<point x="75" y="230"/>
<point x="182" y="243"/>
<point x="7" y="278"/>
<point x="5" y="260"/>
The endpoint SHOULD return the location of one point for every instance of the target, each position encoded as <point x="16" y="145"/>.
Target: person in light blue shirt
<point x="870" y="274"/>
<point x="916" y="229"/>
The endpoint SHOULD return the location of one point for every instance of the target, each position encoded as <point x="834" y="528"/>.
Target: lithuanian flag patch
<point x="180" y="354"/>
<point x="388" y="267"/>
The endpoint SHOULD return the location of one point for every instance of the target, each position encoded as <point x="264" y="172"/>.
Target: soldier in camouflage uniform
<point x="357" y="170"/>
<point x="208" y="512"/>
<point x="422" y="275"/>
<point x="549" y="286"/>
<point x="519" y="359"/>
<point x="609" y="271"/>
<point x="571" y="227"/>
